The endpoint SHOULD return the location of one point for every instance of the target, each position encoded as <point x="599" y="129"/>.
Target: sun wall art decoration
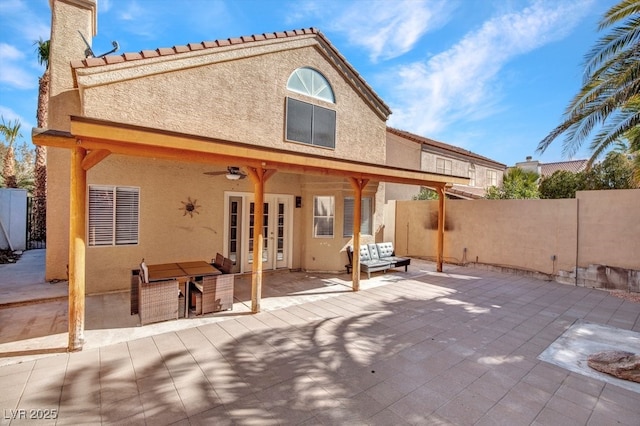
<point x="190" y="207"/>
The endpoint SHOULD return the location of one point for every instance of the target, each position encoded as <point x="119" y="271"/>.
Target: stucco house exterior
<point x="139" y="146"/>
<point x="408" y="149"/>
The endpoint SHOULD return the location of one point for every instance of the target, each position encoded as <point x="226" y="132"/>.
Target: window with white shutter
<point x="113" y="215"/>
<point x="365" y="217"/>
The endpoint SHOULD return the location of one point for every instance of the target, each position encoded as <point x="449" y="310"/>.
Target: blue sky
<point x="490" y="76"/>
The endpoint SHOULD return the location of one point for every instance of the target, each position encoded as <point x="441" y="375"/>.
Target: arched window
<point x="310" y="82"/>
<point x="307" y="122"/>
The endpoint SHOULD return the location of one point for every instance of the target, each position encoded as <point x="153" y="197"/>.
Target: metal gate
<point x="36" y="222"/>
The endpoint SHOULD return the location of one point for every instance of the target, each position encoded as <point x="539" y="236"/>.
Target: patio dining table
<point x="183" y="272"/>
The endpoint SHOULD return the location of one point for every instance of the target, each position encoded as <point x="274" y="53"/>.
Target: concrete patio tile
<point x="214" y="416"/>
<point x="502" y="415"/>
<point x="416" y="409"/>
<point x="526" y="399"/>
<point x="607" y="410"/>
<point x="568" y="409"/>
<point x="465" y="408"/>
<point x="620" y="396"/>
<point x="550" y="416"/>
<point x="162" y="406"/>
<point x="197" y="397"/>
<point x="122" y="410"/>
<point x="387" y="417"/>
<point x="417" y="348"/>
<point x="583" y="397"/>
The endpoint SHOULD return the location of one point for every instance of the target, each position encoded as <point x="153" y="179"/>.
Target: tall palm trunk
<point x="9" y="168"/>
<point x="11" y="132"/>
<point x="40" y="190"/>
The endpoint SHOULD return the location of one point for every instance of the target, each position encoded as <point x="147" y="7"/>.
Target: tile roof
<point x="466" y="192"/>
<point x="441" y="145"/>
<point x="547" y="169"/>
<point x="191" y="47"/>
<point x="333" y="53"/>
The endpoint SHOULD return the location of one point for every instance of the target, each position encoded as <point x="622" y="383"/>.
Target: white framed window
<point x="472" y="175"/>
<point x="113" y="215"/>
<point x="323" y="216"/>
<point x="365" y="216"/>
<point x="492" y="178"/>
<point x="443" y="166"/>
<point x="310" y="124"/>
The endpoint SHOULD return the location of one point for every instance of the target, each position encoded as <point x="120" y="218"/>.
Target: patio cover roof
<point x="102" y="138"/>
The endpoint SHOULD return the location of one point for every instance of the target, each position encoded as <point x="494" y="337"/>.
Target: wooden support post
<point x="259" y="176"/>
<point x="441" y="210"/>
<point x="77" y="222"/>
<point x="358" y="185"/>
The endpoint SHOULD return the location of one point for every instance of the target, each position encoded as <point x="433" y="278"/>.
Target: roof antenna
<point x="88" y="52"/>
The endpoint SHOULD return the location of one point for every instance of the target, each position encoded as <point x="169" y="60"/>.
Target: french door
<point x="276" y="249"/>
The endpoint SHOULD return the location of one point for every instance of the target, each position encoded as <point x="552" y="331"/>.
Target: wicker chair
<point x="157" y="300"/>
<point x="217" y="293"/>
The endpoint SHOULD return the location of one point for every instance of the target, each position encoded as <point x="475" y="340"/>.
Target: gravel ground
<point x="623" y="294"/>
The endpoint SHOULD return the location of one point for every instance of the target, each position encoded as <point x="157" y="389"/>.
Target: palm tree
<point x="11" y="132"/>
<point x="610" y="94"/>
<point x="40" y="191"/>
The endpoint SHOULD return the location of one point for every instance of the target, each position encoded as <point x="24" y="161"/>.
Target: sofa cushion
<point x="364" y="253"/>
<point x="385" y="249"/>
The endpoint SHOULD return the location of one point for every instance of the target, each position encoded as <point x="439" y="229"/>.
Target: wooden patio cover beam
<point x="117" y="138"/>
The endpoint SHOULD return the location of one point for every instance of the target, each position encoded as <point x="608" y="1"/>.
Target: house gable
<point x="235" y="90"/>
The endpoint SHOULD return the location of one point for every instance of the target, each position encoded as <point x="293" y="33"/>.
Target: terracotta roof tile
<point x="164" y="51"/>
<point x="131" y="56"/>
<point x="196" y="46"/>
<point x="181" y="49"/>
<point x="150" y="54"/>
<point x="95" y="62"/>
<point x="547" y="169"/>
<point x="114" y="59"/>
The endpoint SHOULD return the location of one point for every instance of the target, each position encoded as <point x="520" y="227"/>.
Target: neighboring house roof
<point x="547" y="169"/>
<point x="466" y="192"/>
<point x="351" y="75"/>
<point x="446" y="148"/>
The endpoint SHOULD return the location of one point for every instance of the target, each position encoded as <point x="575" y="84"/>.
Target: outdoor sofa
<point x="377" y="257"/>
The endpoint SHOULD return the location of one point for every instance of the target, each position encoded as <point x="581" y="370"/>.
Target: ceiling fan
<point x="232" y="173"/>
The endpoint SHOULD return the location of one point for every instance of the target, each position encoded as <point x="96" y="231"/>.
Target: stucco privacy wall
<point x="609" y="230"/>
<point x="598" y="227"/>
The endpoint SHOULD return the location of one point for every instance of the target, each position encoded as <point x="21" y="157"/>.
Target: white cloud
<point x="389" y="32"/>
<point x="12" y="72"/>
<point x="10" y="115"/>
<point x="462" y="82"/>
